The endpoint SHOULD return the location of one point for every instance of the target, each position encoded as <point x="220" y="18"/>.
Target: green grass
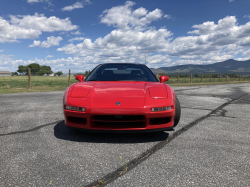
<point x="205" y="81"/>
<point x="18" y="84"/>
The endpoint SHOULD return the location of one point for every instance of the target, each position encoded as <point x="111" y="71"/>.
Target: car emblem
<point x="117" y="103"/>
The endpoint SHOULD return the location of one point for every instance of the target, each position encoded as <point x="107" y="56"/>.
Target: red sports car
<point x="120" y="97"/>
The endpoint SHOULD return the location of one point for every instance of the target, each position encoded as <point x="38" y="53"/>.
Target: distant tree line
<point x="36" y="69"/>
<point x="40" y="70"/>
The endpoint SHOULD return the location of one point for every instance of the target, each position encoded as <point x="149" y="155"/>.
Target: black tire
<point x="177" y="111"/>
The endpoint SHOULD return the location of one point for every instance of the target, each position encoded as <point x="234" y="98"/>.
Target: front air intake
<point x="77" y="120"/>
<point x="118" y="121"/>
<point x="159" y="121"/>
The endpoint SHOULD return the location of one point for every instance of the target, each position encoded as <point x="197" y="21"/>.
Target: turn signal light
<point x="161" y="109"/>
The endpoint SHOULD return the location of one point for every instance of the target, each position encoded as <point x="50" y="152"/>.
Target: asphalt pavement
<point x="209" y="147"/>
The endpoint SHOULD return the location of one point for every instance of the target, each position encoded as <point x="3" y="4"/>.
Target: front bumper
<point x="122" y="131"/>
<point x="126" y="120"/>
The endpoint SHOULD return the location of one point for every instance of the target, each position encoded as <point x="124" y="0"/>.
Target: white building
<point x="52" y="75"/>
<point x="5" y="73"/>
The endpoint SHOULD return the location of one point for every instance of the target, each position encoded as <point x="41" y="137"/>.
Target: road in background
<point x="38" y="150"/>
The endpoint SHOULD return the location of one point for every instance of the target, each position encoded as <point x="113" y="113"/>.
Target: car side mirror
<point x="80" y="78"/>
<point x="163" y="79"/>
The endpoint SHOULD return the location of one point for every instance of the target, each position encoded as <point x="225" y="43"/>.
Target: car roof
<point x="123" y="64"/>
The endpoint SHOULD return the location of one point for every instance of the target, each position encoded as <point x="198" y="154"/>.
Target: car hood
<point x="113" y="89"/>
<point x="118" y="94"/>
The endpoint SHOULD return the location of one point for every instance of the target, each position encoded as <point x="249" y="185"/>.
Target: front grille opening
<point x="103" y="124"/>
<point x="82" y="121"/>
<point x="159" y="121"/>
<point x="116" y="118"/>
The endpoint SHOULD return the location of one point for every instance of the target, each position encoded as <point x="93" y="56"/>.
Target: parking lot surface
<point x="209" y="147"/>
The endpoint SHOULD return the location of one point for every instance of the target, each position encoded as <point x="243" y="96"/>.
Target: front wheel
<point x="177" y="111"/>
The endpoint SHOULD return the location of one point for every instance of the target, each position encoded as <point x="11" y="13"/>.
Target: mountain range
<point x="226" y="67"/>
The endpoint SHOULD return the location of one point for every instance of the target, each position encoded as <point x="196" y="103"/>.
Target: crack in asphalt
<point x="221" y="113"/>
<point x="190" y="89"/>
<point x="196" y="108"/>
<point x="225" y="97"/>
<point x="30" y="130"/>
<point x="135" y="162"/>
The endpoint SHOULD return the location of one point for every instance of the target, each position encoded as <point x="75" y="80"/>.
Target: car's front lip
<point x="147" y="126"/>
<point x="122" y="131"/>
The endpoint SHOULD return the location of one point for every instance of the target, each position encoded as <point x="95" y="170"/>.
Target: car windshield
<point x="121" y="72"/>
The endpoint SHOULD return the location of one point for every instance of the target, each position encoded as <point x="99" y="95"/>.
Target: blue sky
<point x="78" y="35"/>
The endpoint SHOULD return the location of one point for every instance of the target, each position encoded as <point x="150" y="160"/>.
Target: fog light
<point x="75" y="108"/>
<point x="161" y="109"/>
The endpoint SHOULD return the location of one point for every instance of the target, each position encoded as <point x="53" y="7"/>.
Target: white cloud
<point x="49" y="4"/>
<point x="76" y="39"/>
<point x="72" y="7"/>
<point x="133" y="38"/>
<point x="226" y="32"/>
<point x="87" y="2"/>
<point x="124" y="17"/>
<point x="167" y="16"/>
<point x="10" y="33"/>
<point x="49" y="56"/>
<point x="35" y="43"/>
<point x="77" y="33"/>
<point x="1" y="50"/>
<point x="40" y="1"/>
<point x="210" y="42"/>
<point x="231" y="0"/>
<point x="246" y="54"/>
<point x="42" y="23"/>
<point x="246" y="16"/>
<point x="34" y="1"/>
<point x="223" y="25"/>
<point x="76" y="64"/>
<point x="149" y="41"/>
<point x="61" y="33"/>
<point x="30" y="27"/>
<point x="215" y="42"/>
<point x="129" y="42"/>
<point x="7" y="63"/>
<point x="241" y="59"/>
<point x="51" y="41"/>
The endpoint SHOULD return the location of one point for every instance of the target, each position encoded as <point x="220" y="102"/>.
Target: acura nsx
<point x="121" y="97"/>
